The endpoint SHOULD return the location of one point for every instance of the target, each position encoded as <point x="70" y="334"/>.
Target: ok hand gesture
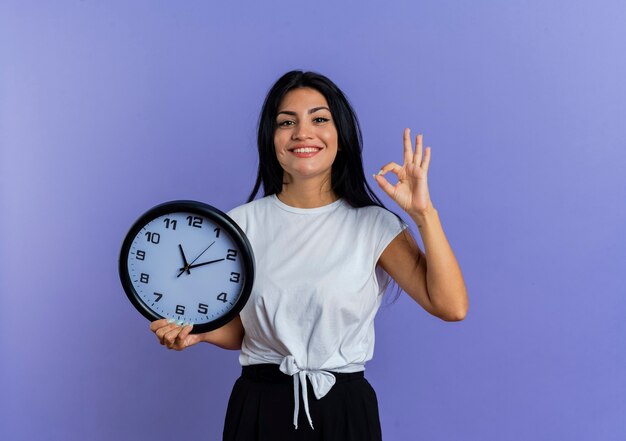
<point x="411" y="191"/>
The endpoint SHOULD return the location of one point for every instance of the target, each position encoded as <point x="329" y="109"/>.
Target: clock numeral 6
<point x="141" y="255"/>
<point x="180" y="309"/>
<point x="234" y="277"/>
<point x="232" y="255"/>
<point x="194" y="221"/>
<point x="222" y="297"/>
<point x="153" y="237"/>
<point x="202" y="308"/>
<point x="144" y="278"/>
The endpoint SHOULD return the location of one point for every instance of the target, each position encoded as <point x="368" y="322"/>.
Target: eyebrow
<point x="313" y="110"/>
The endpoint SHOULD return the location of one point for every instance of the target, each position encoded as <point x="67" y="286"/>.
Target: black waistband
<point x="270" y="373"/>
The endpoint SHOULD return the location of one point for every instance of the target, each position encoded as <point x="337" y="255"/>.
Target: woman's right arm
<point x="173" y="336"/>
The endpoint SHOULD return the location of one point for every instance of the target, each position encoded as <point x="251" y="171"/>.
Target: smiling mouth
<point x="305" y="149"/>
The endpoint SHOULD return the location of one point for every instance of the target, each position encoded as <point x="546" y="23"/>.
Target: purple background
<point x="109" y="108"/>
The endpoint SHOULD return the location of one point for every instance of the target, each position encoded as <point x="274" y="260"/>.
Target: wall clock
<point x="187" y="261"/>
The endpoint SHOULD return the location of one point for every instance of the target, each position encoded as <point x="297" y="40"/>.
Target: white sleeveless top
<point x="317" y="288"/>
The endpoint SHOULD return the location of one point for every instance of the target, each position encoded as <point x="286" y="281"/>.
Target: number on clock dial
<point x="169" y="222"/>
<point x="194" y="221"/>
<point x="153" y="237"/>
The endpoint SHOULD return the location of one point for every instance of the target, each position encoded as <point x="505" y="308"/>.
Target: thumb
<point x="189" y="339"/>
<point x="192" y="340"/>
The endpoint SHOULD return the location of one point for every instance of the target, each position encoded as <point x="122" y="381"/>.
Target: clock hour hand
<point x="184" y="259"/>
<point x="201" y="264"/>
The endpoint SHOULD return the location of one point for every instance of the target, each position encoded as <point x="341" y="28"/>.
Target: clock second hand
<point x="195" y="259"/>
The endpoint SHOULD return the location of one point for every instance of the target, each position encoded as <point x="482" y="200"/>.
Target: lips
<point x="305" y="149"/>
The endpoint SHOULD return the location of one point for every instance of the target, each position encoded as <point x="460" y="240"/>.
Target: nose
<point x="301" y="131"/>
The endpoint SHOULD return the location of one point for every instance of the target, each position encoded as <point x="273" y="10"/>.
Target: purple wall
<point x="108" y="108"/>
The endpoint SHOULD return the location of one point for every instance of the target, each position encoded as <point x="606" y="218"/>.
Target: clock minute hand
<point x="203" y="263"/>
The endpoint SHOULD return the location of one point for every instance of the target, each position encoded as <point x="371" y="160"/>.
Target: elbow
<point x="455" y="315"/>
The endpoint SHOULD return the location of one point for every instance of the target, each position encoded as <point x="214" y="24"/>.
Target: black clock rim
<point x="203" y="209"/>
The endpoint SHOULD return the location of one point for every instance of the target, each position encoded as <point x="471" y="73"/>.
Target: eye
<point x="285" y="123"/>
<point x="321" y="119"/>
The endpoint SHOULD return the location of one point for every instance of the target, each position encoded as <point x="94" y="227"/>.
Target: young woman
<point x="325" y="249"/>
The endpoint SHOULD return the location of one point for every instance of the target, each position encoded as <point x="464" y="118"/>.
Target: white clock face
<point x="187" y="267"/>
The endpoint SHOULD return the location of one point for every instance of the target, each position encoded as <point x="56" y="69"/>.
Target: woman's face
<point x="305" y="138"/>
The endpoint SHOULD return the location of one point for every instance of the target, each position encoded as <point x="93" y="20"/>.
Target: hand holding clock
<point x="177" y="337"/>
<point x="174" y="336"/>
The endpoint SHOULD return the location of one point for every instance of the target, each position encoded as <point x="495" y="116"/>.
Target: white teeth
<point x="306" y="150"/>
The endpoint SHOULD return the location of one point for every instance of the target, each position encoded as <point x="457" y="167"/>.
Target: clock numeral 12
<point x="194" y="221"/>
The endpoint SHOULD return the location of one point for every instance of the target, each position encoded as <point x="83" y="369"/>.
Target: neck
<point x="307" y="193"/>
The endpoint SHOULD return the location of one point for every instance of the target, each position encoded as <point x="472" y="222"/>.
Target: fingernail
<point x="179" y="322"/>
<point x="380" y="172"/>
<point x="171" y="321"/>
<point x="185" y="324"/>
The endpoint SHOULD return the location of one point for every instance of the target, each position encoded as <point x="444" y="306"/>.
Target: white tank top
<point x="317" y="288"/>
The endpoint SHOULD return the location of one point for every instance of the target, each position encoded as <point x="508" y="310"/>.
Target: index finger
<point x="155" y="325"/>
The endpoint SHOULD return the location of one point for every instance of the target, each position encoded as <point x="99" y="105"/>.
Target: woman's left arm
<point x="432" y="278"/>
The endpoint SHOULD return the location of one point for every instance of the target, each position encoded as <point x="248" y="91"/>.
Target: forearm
<point x="229" y="336"/>
<point x="446" y="288"/>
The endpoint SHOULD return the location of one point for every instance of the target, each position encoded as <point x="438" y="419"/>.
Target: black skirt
<point x="261" y="408"/>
